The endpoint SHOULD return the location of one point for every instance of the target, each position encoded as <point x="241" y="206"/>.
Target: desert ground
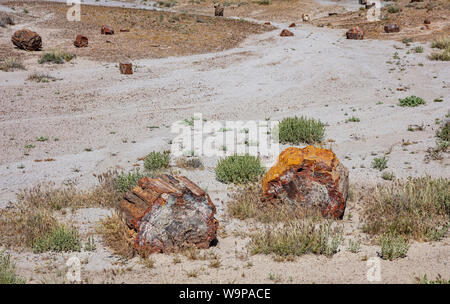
<point x="234" y="68"/>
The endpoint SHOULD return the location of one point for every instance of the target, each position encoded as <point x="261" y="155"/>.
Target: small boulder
<point x="427" y="21"/>
<point x="286" y="33"/>
<point x="391" y="28"/>
<point x="355" y="33"/>
<point x="309" y="177"/>
<point x="126" y="68"/>
<point x="218" y="10"/>
<point x="80" y="41"/>
<point x="107" y="30"/>
<point x="169" y="213"/>
<point x="267" y="23"/>
<point x="27" y="40"/>
<point x="292" y="25"/>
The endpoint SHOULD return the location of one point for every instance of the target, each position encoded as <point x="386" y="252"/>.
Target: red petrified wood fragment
<point x="126" y="68"/>
<point x="286" y="33"/>
<point x="309" y="177"/>
<point x="391" y="28"/>
<point x="107" y="30"/>
<point x="80" y="41"/>
<point x="169" y="213"/>
<point x="292" y="25"/>
<point x="355" y="33"/>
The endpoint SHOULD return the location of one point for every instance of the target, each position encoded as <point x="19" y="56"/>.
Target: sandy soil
<point x="105" y="120"/>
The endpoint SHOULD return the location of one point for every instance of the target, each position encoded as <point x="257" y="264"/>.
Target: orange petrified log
<point x="311" y="177"/>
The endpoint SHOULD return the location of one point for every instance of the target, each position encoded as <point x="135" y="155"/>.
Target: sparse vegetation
<point x="117" y="236"/>
<point x="297" y="238"/>
<point x="156" y="161"/>
<point x="56" y="56"/>
<point x="189" y="163"/>
<point x="10" y="64"/>
<point x="41" y="77"/>
<point x="438" y="280"/>
<point x="353" y="119"/>
<point x="58" y="239"/>
<point x="442" y="44"/>
<point x="354" y="246"/>
<point x="126" y="181"/>
<point x="239" y="169"/>
<point x="7" y="271"/>
<point x="388" y="176"/>
<point x="296" y="130"/>
<point x="442" y="143"/>
<point x="379" y="163"/>
<point x="393" y="247"/>
<point x="411" y="101"/>
<point x="246" y="204"/>
<point x="418" y="208"/>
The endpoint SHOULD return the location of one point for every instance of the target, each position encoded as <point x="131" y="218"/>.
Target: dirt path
<point x="105" y="120"/>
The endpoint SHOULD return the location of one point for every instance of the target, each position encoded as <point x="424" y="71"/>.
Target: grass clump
<point x="117" y="236"/>
<point x="11" y="64"/>
<point x="127" y="181"/>
<point x="353" y="119"/>
<point x="246" y="203"/>
<point x="379" y="163"/>
<point x="156" y="160"/>
<point x="297" y="130"/>
<point x="239" y="169"/>
<point x="297" y="238"/>
<point x="392" y="9"/>
<point x="416" y="208"/>
<point x="7" y="271"/>
<point x="411" y="101"/>
<point x="41" y="77"/>
<point x="442" y="143"/>
<point x="354" y="246"/>
<point x="388" y="176"/>
<point x="393" y="247"/>
<point x="56" y="56"/>
<point x="443" y="44"/>
<point x="59" y="239"/>
<point x="438" y="280"/>
<point x="418" y="49"/>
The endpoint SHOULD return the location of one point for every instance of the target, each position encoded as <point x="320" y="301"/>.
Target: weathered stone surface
<point x="169" y="213"/>
<point x="126" y="68"/>
<point x="355" y="33"/>
<point x="286" y="33"/>
<point x="80" y="41"/>
<point x="107" y="30"/>
<point x="391" y="28"/>
<point x="310" y="177"/>
<point x="218" y="10"/>
<point x="292" y="25"/>
<point x="27" y="40"/>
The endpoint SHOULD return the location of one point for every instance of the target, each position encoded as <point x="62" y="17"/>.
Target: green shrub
<point x="443" y="56"/>
<point x="393" y="9"/>
<point x="393" y="247"/>
<point x="418" y="49"/>
<point x="379" y="163"/>
<point x="157" y="160"/>
<point x="59" y="239"/>
<point x="297" y="238"/>
<point x="411" y="101"/>
<point x="7" y="271"/>
<point x="418" y="208"/>
<point x="127" y="181"/>
<point x="388" y="176"/>
<point x="354" y="246"/>
<point x="441" y="43"/>
<point x="239" y="169"/>
<point x="438" y="280"/>
<point x="353" y="119"/>
<point x="297" y="130"/>
<point x="57" y="57"/>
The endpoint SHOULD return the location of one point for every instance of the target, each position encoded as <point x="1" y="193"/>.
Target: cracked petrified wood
<point x="309" y="177"/>
<point x="355" y="33"/>
<point x="27" y="40"/>
<point x="169" y="213"/>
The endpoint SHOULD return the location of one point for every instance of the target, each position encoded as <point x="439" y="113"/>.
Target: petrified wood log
<point x="126" y="68"/>
<point x="169" y="213"/>
<point x="309" y="177"/>
<point x="107" y="30"/>
<point x="391" y="28"/>
<point x="27" y="40"/>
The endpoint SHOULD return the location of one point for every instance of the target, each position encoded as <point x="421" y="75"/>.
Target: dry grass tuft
<point x="117" y="236"/>
<point x="246" y="203"/>
<point x="418" y="208"/>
